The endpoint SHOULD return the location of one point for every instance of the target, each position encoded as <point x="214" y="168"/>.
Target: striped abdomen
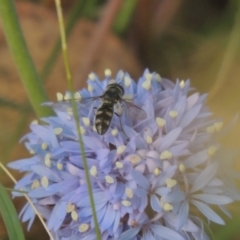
<point x="103" y="118"/>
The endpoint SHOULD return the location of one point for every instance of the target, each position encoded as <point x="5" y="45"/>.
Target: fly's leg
<point x="121" y="127"/>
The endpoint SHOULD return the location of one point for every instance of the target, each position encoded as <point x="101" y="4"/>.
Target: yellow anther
<point x="44" y="181"/>
<point x="129" y="192"/>
<point x="109" y="179"/>
<point x="126" y="203"/>
<point x="77" y="96"/>
<point x="74" y="215"/>
<point x="182" y="84"/>
<point x="114" y="132"/>
<point x="119" y="165"/>
<point x="47" y="159"/>
<point x="59" y="96"/>
<point x="156" y="171"/>
<point x="93" y="171"/>
<point x="83" y="227"/>
<point x="134" y="159"/>
<point x="166" y="155"/>
<point x="70" y="207"/>
<point x="31" y="151"/>
<point x="148" y="76"/>
<point x="57" y="131"/>
<point x="108" y="72"/>
<point x="67" y="96"/>
<point x="173" y="114"/>
<point x="149" y="139"/>
<point x="167" y="207"/>
<point x="160" y="122"/>
<point x="127" y="81"/>
<point x="90" y="88"/>
<point x="44" y="146"/>
<point x="121" y="149"/>
<point x="60" y="166"/>
<point x="170" y="182"/>
<point x="91" y="76"/>
<point x="146" y="84"/>
<point x="82" y="130"/>
<point x="86" y="121"/>
<point x="211" y="129"/>
<point x="181" y="167"/>
<point x="158" y="78"/>
<point x="218" y="126"/>
<point x="34" y="122"/>
<point x="211" y="151"/>
<point x="35" y="184"/>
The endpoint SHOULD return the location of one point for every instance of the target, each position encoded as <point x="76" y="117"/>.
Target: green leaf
<point x="10" y="216"/>
<point x="26" y="68"/>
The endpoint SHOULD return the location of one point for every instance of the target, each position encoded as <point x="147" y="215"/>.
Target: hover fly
<point x="112" y="97"/>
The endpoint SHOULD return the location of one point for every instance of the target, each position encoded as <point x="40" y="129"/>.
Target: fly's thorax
<point x="114" y="91"/>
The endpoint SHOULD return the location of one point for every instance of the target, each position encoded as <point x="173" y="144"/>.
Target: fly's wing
<point x="134" y="111"/>
<point x="65" y="105"/>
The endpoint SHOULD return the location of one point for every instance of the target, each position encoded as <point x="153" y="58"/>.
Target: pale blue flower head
<point x="148" y="175"/>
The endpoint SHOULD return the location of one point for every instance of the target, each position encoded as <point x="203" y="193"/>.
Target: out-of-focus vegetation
<point x="182" y="39"/>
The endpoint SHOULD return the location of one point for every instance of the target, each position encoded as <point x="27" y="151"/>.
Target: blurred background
<point x="179" y="39"/>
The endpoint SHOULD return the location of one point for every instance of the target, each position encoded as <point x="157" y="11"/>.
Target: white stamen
<point x="126" y="203"/>
<point x="156" y="171"/>
<point x="90" y="88"/>
<point x="218" y="126"/>
<point x="211" y="129"/>
<point x="170" y="182"/>
<point x="146" y="84"/>
<point x="182" y="84"/>
<point x="93" y="171"/>
<point x="182" y="167"/>
<point x="67" y="96"/>
<point x="70" y="207"/>
<point x="148" y="76"/>
<point x="44" y="146"/>
<point x="128" y="97"/>
<point x="211" y="151"/>
<point x="114" y="132"/>
<point x="108" y="72"/>
<point x="149" y="139"/>
<point x="127" y="81"/>
<point x="44" y="181"/>
<point x="158" y="78"/>
<point x="34" y="122"/>
<point x="160" y="122"/>
<point x="47" y="160"/>
<point x="109" y="179"/>
<point x="83" y="227"/>
<point x="129" y="192"/>
<point x="77" y="96"/>
<point x="173" y="114"/>
<point x="31" y="151"/>
<point x="134" y="159"/>
<point x="86" y="121"/>
<point x="121" y="149"/>
<point x="60" y="166"/>
<point x="59" y="96"/>
<point x="119" y="165"/>
<point x="94" y="128"/>
<point x="35" y="184"/>
<point x="57" y="131"/>
<point x="82" y="130"/>
<point x="166" y="155"/>
<point x="167" y="207"/>
<point x="91" y="76"/>
<point x="74" y="215"/>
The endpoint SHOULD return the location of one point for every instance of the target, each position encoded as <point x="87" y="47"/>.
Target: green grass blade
<point x="17" y="45"/>
<point x="10" y="216"/>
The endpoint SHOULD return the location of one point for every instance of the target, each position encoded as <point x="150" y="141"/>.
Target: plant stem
<point x="76" y="115"/>
<point x="23" y="60"/>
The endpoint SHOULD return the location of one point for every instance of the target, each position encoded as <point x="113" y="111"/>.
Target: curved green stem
<point x="23" y="60"/>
